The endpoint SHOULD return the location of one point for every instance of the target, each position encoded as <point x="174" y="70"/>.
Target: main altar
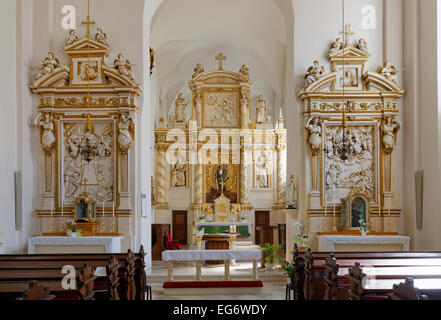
<point x="217" y="158"/>
<point x="351" y="130"/>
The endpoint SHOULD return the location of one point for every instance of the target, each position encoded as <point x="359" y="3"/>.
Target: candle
<point x="62" y="210"/>
<point x="389" y="206"/>
<point x="113" y="208"/>
<point x="103" y="209"/>
<point x="52" y="208"/>
<point x="334" y="209"/>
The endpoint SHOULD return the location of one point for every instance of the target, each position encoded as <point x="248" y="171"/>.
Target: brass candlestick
<point x="325" y="221"/>
<point x="113" y="224"/>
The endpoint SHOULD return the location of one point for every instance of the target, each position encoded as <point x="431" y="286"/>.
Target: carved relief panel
<point x="221" y="110"/>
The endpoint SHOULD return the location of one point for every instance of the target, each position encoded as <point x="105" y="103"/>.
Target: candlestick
<point x="325" y="222"/>
<point x="113" y="208"/>
<point x="334" y="227"/>
<point x="51" y="222"/>
<point x="61" y="219"/>
<point x="389" y="226"/>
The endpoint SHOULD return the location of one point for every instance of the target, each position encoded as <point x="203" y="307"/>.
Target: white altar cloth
<point x="74" y="245"/>
<point x="203" y="255"/>
<point x="328" y="243"/>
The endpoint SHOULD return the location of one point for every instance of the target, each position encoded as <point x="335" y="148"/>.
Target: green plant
<point x="288" y="268"/>
<point x="270" y="253"/>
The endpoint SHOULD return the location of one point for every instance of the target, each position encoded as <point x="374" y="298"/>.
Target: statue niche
<point x="355" y="208"/>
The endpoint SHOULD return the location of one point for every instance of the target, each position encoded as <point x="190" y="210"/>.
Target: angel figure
<point x="47" y="125"/>
<point x="101" y="36"/>
<point x="124" y="127"/>
<point x="245" y="71"/>
<point x="388" y="71"/>
<point x="315" y="72"/>
<point x="71" y="38"/>
<point x="362" y="44"/>
<point x="390" y="128"/>
<point x="123" y="67"/>
<point x="49" y="64"/>
<point x="315" y="134"/>
<point x="198" y="70"/>
<point x="336" y="46"/>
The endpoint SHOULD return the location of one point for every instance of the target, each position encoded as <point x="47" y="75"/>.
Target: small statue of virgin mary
<point x="291" y="194"/>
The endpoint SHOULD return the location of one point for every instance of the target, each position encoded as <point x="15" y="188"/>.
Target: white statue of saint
<point x="198" y="103"/>
<point x="261" y="111"/>
<point x="388" y="71"/>
<point x="263" y="172"/>
<point x="315" y="133"/>
<point x="336" y="46"/>
<point x="315" y="72"/>
<point x="101" y="36"/>
<point x="124" y="137"/>
<point x="49" y="64"/>
<point x="123" y="67"/>
<point x="180" y="109"/>
<point x="291" y="193"/>
<point x="389" y="128"/>
<point x="244" y="112"/>
<point x="179" y="174"/>
<point x="332" y="180"/>
<point x="47" y="125"/>
<point x="71" y="38"/>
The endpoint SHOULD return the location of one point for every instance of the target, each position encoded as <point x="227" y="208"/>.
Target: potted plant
<point x="271" y="257"/>
<point x="288" y="268"/>
<point x="73" y="231"/>
<point x="302" y="239"/>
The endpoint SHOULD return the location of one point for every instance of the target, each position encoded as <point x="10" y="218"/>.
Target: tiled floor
<point x="273" y="281"/>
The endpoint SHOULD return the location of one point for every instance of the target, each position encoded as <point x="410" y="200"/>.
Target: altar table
<point x="368" y="243"/>
<point x="203" y="255"/>
<point x="59" y="245"/>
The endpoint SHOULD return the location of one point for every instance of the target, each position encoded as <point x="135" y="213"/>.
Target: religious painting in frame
<point x="221" y="109"/>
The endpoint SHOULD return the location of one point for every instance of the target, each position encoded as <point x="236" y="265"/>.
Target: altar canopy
<point x="218" y="160"/>
<point x="346" y="188"/>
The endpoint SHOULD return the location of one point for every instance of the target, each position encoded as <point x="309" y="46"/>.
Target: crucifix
<point x="347" y="33"/>
<point x="88" y="22"/>
<point x="221" y="58"/>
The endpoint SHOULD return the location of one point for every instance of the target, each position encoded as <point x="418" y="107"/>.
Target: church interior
<point x="220" y="150"/>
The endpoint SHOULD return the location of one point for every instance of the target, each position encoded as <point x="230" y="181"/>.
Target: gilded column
<point x="160" y="181"/>
<point x="281" y="168"/>
<point x="245" y="156"/>
<point x="198" y="185"/>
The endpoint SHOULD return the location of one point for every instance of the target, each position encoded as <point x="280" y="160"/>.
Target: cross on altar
<point x="221" y="58"/>
<point x="88" y="22"/>
<point x="347" y="33"/>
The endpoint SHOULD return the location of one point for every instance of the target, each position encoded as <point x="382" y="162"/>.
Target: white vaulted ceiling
<point x="251" y="32"/>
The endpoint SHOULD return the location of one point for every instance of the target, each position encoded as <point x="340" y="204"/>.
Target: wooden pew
<point x="17" y="270"/>
<point x="315" y="285"/>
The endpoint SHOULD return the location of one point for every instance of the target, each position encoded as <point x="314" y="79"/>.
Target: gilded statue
<point x="315" y="134"/>
<point x="198" y="70"/>
<point x="46" y="123"/>
<point x="315" y="72"/>
<point x="336" y="46"/>
<point x="245" y="71"/>
<point x="101" y="36"/>
<point x="124" y="67"/>
<point x="388" y="71"/>
<point x="71" y="38"/>
<point x="48" y="66"/>
<point x="390" y="129"/>
<point x="124" y="127"/>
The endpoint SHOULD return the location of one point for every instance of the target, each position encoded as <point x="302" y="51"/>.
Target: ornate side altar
<point x="86" y="117"/>
<point x="218" y="160"/>
<point x="351" y="129"/>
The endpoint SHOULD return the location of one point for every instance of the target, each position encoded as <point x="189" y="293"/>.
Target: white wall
<point x="8" y="125"/>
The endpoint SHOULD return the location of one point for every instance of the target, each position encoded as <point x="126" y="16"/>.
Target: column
<point x="160" y="174"/>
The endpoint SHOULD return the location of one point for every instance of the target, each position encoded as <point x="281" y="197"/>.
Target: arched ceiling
<point x="251" y="32"/>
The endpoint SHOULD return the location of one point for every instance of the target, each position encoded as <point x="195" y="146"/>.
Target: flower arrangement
<point x="301" y="238"/>
<point x="72" y="230"/>
<point x="363" y="227"/>
<point x="270" y="252"/>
